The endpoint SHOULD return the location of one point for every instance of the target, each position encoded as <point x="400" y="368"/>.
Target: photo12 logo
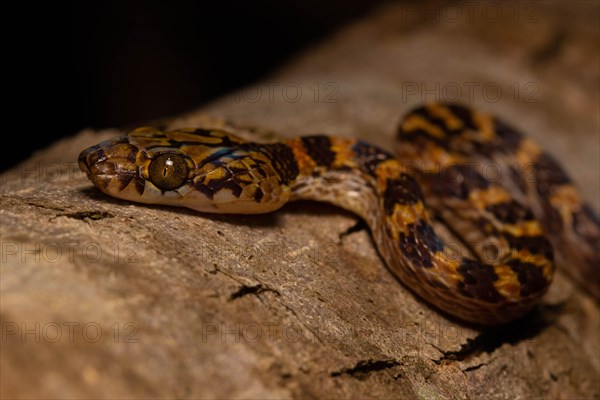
<point x="66" y="251"/>
<point x="469" y="91"/>
<point x="43" y="172"/>
<point x="69" y="331"/>
<point x="289" y="92"/>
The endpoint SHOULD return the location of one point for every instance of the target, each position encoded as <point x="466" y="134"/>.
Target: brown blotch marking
<point x="478" y="281"/>
<point x="464" y="114"/>
<point x="449" y="120"/>
<point x="258" y="195"/>
<point x="419" y="243"/>
<point x="369" y="157"/>
<point x="510" y="137"/>
<point x="319" y="149"/>
<point x="548" y="174"/>
<point x="419" y="123"/>
<point x="304" y="163"/>
<point x="435" y="124"/>
<point x="434" y="120"/>
<point x="510" y="212"/>
<point x="404" y="190"/>
<point x="420" y="136"/>
<point x="508" y="283"/>
<point x="530" y="276"/>
<point x="548" y="178"/>
<point x="457" y="180"/>
<point x="282" y="157"/>
<point x="533" y="244"/>
<point x="428" y="237"/>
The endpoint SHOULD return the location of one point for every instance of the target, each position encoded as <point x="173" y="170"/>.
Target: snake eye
<point x="168" y="171"/>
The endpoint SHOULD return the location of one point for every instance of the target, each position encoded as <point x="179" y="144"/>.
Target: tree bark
<point x="102" y="298"/>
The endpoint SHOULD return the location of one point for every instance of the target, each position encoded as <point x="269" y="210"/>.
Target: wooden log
<point x="103" y="298"/>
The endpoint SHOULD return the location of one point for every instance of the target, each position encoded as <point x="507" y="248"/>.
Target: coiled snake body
<point x="440" y="172"/>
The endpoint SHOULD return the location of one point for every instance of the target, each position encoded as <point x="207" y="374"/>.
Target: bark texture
<point x="102" y="298"/>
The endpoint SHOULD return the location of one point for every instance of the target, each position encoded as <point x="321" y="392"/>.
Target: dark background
<point x="115" y="63"/>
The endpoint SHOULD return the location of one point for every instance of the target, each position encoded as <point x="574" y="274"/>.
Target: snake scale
<point x="526" y="213"/>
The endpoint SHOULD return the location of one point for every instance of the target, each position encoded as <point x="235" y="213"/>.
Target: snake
<point x="510" y="203"/>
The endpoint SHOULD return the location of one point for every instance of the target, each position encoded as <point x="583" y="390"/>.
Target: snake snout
<point x="95" y="159"/>
<point x="90" y="157"/>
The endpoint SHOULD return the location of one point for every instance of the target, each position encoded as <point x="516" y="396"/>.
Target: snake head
<point x="205" y="170"/>
<point x="111" y="164"/>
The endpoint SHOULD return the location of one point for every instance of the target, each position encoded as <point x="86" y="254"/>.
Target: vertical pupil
<point x="168" y="164"/>
<point x="168" y="172"/>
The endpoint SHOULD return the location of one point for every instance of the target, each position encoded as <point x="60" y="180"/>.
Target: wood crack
<point x="364" y="368"/>
<point x="245" y="290"/>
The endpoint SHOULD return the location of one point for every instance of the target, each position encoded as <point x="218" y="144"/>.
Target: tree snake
<point x="524" y="211"/>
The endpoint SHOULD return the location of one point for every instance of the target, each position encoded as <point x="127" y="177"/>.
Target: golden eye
<point x="168" y="171"/>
